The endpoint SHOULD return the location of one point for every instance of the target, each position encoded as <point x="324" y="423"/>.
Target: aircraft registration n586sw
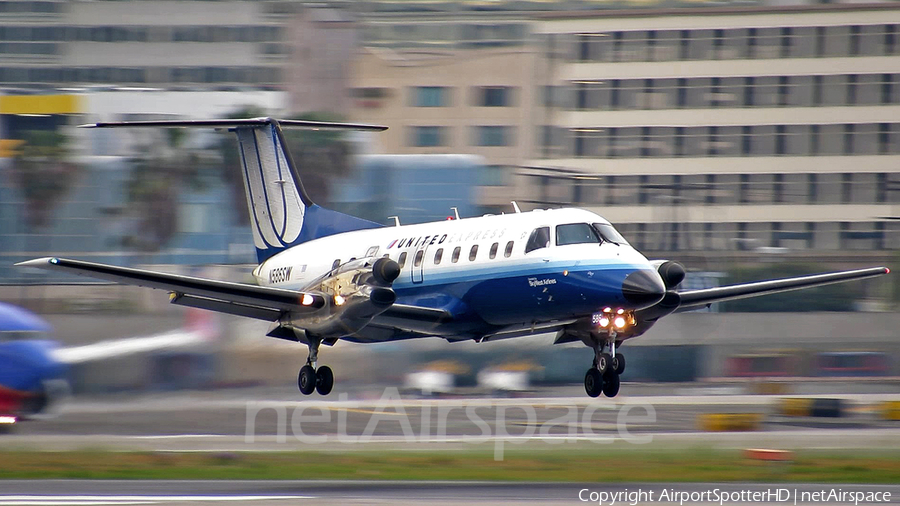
<point x="324" y="276"/>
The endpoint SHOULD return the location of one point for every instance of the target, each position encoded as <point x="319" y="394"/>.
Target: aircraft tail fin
<point x="281" y="213"/>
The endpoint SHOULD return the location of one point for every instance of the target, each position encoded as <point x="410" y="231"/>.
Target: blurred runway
<point x="281" y="420"/>
<point x="277" y="493"/>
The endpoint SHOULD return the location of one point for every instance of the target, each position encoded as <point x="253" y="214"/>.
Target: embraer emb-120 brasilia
<point x="325" y="276"/>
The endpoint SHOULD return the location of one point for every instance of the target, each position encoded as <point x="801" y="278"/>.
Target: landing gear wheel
<point x="593" y="382"/>
<point x="618" y="363"/>
<point x="603" y="361"/>
<point x="324" y="380"/>
<point x="307" y="380"/>
<point x="611" y="384"/>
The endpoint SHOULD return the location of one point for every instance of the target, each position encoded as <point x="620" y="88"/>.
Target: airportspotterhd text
<point x="721" y="497"/>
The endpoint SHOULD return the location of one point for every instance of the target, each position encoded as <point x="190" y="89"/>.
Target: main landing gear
<point x="603" y="376"/>
<point x="320" y="379"/>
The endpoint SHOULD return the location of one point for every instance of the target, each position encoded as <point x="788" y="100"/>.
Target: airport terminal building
<point x="732" y="129"/>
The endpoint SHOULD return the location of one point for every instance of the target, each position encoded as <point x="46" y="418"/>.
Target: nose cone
<point x="643" y="288"/>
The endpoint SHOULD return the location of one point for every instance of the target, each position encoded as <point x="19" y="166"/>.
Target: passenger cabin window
<point x="493" y="253"/>
<point x="455" y="256"/>
<point x="508" y="251"/>
<point x="540" y="238"/>
<point x="402" y="259"/>
<point x="576" y="233"/>
<point x="609" y="234"/>
<point x="438" y="255"/>
<point x="419" y="256"/>
<point x="473" y="253"/>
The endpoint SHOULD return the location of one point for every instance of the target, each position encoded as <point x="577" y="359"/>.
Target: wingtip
<point x="89" y="125"/>
<point x="38" y="262"/>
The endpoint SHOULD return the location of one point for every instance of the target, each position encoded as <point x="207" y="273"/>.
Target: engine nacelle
<point x="355" y="292"/>
<point x="671" y="272"/>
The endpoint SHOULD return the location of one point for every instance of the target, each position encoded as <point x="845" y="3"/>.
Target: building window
<point x="785" y="42"/>
<point x="780" y="140"/>
<point x="494" y="96"/>
<point x="430" y="96"/>
<point x="884" y="138"/>
<point x="428" y="136"/>
<point x="887" y="83"/>
<point x="889" y="39"/>
<point x="851" y="89"/>
<point x="854" y="40"/>
<point x="849" y="131"/>
<point x="493" y="136"/>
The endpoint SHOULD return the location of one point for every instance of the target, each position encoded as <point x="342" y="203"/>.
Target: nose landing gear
<point x="603" y="376"/>
<point x="311" y="377"/>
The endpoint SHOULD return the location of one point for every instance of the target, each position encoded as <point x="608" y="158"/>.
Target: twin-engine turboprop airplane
<point x="325" y="276"/>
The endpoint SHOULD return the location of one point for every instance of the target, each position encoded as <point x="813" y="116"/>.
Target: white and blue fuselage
<point x="490" y="271"/>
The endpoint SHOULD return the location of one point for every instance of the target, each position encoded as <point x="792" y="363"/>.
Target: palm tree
<point x="43" y="172"/>
<point x="159" y="173"/>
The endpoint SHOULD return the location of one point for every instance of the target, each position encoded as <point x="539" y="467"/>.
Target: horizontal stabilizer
<point x="234" y="123"/>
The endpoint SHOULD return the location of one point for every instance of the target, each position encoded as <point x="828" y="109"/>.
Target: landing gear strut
<point x="603" y="376"/>
<point x="312" y="377"/>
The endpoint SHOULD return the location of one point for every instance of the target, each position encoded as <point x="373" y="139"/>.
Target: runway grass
<point x="557" y="465"/>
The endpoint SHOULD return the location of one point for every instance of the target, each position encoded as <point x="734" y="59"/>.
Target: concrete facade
<point x="725" y="130"/>
<point x="474" y="101"/>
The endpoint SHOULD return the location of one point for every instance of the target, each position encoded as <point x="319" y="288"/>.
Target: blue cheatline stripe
<point x="280" y="178"/>
<point x="250" y="190"/>
<point x="262" y="179"/>
<point x="518" y="270"/>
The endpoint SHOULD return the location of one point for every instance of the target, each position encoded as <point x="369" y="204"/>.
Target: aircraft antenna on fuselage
<point x="396" y="220"/>
<point x="455" y="211"/>
<point x="516" y="207"/>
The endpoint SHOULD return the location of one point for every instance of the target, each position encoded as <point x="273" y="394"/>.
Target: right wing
<point x="695" y="299"/>
<point x="260" y="302"/>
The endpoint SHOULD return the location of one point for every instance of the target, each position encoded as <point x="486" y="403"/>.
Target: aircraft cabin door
<point x="418" y="264"/>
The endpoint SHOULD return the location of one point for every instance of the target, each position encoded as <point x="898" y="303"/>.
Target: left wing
<point x="261" y="302"/>
<point x="695" y="299"/>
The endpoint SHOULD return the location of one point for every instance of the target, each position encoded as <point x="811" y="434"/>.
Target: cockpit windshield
<point x="540" y="238"/>
<point x="576" y="233"/>
<point x="609" y="234"/>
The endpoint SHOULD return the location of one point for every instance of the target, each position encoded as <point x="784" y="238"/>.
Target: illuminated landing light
<point x="7" y="420"/>
<point x="620" y="311"/>
<point x="339" y="301"/>
<point x="565" y="273"/>
<point x="604" y="322"/>
<point x="607" y="310"/>
<point x="620" y="322"/>
<point x="307" y="299"/>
